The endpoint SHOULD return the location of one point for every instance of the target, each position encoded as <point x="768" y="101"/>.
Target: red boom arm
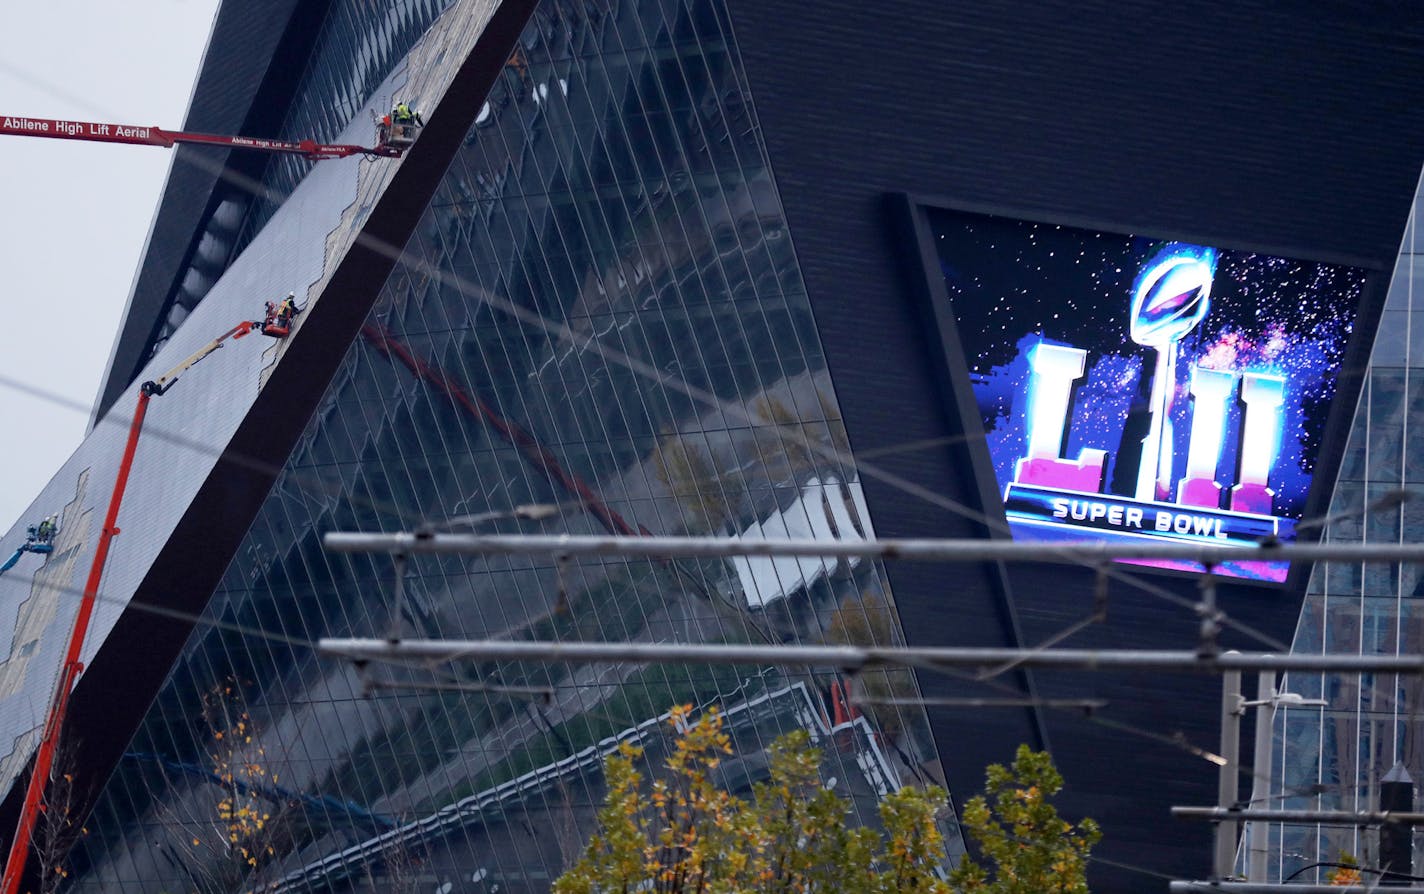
<point x="59" y="703"/>
<point x="59" y="129"/>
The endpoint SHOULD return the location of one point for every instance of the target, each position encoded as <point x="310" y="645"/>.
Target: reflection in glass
<point x="662" y="375"/>
<point x="1335" y="759"/>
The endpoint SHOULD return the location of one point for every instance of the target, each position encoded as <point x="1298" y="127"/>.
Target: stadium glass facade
<point x="612" y="199"/>
<point x="358" y="46"/>
<point x="1335" y="758"/>
<point x="603" y="313"/>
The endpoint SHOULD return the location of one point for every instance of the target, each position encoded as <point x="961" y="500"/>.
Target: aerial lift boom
<point x="38" y="539"/>
<point x="26" y="547"/>
<point x="69" y="673"/>
<point x="391" y="145"/>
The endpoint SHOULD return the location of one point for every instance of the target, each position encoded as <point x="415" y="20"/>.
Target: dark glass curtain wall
<point x="601" y="313"/>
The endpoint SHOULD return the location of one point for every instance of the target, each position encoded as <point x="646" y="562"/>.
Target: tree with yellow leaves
<point x="59" y="826"/>
<point x="1031" y="848"/>
<point x="237" y="826"/>
<point x="1345" y="874"/>
<point x="683" y="833"/>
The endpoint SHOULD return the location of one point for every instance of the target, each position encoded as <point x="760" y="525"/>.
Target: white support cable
<point x="854" y="657"/>
<point x="1099" y="616"/>
<point x="919" y="550"/>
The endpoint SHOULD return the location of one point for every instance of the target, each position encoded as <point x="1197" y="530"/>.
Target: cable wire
<point x="732" y="411"/>
<point x="561" y="332"/>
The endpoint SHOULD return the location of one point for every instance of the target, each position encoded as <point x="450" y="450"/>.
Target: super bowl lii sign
<point x="1170" y="299"/>
<point x="1130" y="387"/>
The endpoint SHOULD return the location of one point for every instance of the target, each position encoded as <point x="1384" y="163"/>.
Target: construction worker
<point x="287" y="310"/>
<point x="45" y="532"/>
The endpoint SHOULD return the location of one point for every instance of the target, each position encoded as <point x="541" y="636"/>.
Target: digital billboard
<point x="1135" y="389"/>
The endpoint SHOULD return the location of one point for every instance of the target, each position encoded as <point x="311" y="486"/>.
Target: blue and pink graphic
<point x="1132" y="388"/>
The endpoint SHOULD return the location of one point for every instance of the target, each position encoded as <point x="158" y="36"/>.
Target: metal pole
<point x="1224" y="860"/>
<point x="1397" y="839"/>
<point x="1258" y="832"/>
<point x="1252" y="888"/>
<point x="853" y="657"/>
<point x="917" y="550"/>
<point x="1322" y="817"/>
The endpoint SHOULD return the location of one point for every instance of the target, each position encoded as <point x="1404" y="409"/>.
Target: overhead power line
<point x="853" y="658"/>
<point x="913" y="550"/>
<point x="1324" y="817"/>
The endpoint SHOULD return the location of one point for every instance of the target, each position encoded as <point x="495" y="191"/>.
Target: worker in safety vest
<point x="402" y="114"/>
<point x="287" y="310"/>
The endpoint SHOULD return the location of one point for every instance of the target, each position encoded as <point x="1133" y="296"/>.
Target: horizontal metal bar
<point x="853" y="657"/>
<point x="1335" y="817"/>
<point x="543" y="692"/>
<point x="1082" y="704"/>
<point x="1370" y="887"/>
<point x="914" y="550"/>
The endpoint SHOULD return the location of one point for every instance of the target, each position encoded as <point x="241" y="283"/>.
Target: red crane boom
<point x="69" y="673"/>
<point x="60" y="129"/>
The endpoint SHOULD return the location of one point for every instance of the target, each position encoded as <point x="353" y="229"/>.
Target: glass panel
<point x="621" y="334"/>
<point x="1336" y="758"/>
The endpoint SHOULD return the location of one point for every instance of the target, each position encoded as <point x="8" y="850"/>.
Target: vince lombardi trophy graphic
<point x="1170" y="299"/>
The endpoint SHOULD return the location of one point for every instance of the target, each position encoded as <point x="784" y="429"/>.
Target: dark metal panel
<point x="1284" y="126"/>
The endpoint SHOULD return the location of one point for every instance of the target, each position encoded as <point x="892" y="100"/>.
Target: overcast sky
<point x="75" y="215"/>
